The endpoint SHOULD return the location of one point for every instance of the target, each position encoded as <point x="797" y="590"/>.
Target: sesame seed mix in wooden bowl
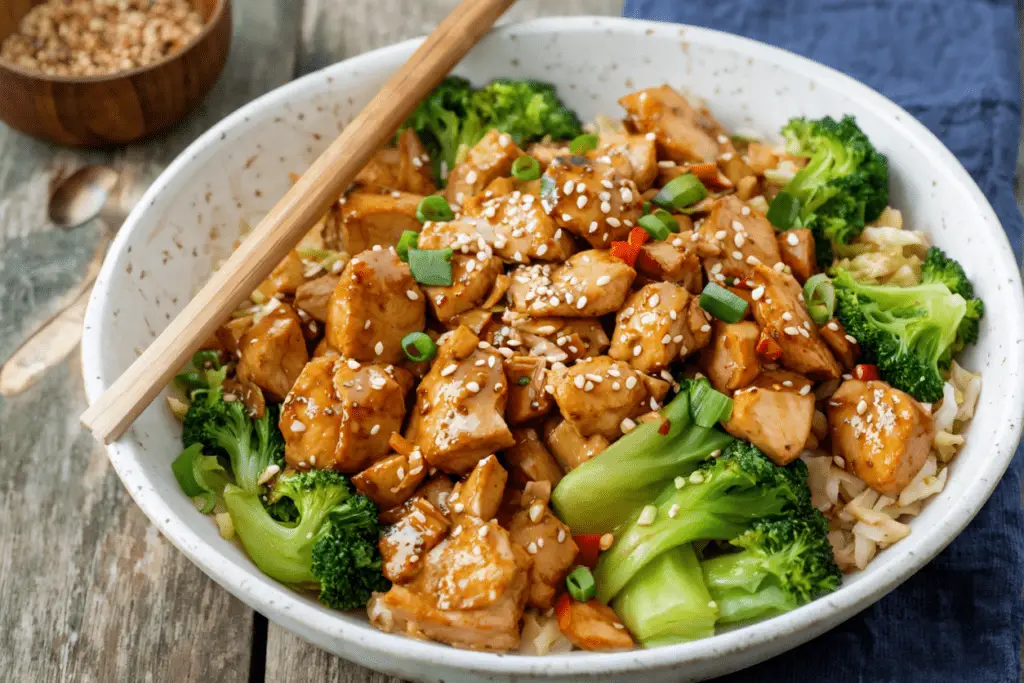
<point x="101" y="72"/>
<point x="100" y="37"/>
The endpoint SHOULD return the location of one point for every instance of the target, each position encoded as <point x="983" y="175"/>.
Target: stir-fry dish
<point x="535" y="386"/>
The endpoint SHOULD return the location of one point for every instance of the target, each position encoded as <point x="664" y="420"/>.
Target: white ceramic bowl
<point x="233" y="174"/>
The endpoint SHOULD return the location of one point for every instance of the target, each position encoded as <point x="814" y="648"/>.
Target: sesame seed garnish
<point x="666" y="339"/>
<point x="650" y="136"/>
<point x="631" y="382"/>
<point x="536" y="512"/>
<point x="568" y="187"/>
<point x="791" y="331"/>
<point x="593" y="227"/>
<point x="805" y="389"/>
<point x="616" y="386"/>
<point x="832" y="326"/>
<point x="862" y="407"/>
<point x="606" y="541"/>
<point x="757" y="293"/>
<point x="473" y="387"/>
<point x="379" y="348"/>
<point x="705" y="328"/>
<point x="753" y="260"/>
<point x="738" y="239"/>
<point x="787" y="316"/>
<point x="471" y="176"/>
<point x="561" y="535"/>
<point x="792" y="240"/>
<point x="738" y="255"/>
<point x="298" y="426"/>
<point x="606" y="207"/>
<point x="637" y="350"/>
<point x="532" y="548"/>
<point x="673" y="511"/>
<point x="579" y="381"/>
<point x="838" y="460"/>
<point x="745" y="210"/>
<point x="483" y="531"/>
<point x="627" y="425"/>
<point x="413" y="296"/>
<point x="653" y="301"/>
<point x="374" y="429"/>
<point x="589" y="386"/>
<point x="647" y="516"/>
<point x="449" y="369"/>
<point x="696" y="478"/>
<point x="352" y="364"/>
<point x="366" y="325"/>
<point x="581" y="201"/>
<point x="850" y="338"/>
<point x="737" y="226"/>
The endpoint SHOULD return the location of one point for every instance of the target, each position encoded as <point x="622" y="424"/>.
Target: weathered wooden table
<point x="89" y="591"/>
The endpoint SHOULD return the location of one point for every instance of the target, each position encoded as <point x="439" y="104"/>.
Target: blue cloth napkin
<point x="953" y="64"/>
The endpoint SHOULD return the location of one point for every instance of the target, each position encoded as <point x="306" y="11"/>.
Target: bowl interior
<point x="234" y="174"/>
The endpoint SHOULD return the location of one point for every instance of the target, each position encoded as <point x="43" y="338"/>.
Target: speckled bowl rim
<point x="746" y="645"/>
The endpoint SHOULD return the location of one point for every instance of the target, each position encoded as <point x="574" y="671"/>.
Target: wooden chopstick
<point x="291" y="218"/>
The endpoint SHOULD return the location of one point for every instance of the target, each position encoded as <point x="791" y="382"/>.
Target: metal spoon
<point x="88" y="193"/>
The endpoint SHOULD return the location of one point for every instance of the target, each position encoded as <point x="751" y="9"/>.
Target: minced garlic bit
<point x="606" y="541"/>
<point x="647" y="516"/>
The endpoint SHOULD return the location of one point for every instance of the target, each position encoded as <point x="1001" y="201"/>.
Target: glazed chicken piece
<point x="637" y="153"/>
<point x="597" y="394"/>
<point x="537" y="531"/>
<point x="527" y="400"/>
<point x="672" y="261"/>
<point x="780" y="311"/>
<point x="393" y="480"/>
<point x="570" y="448"/>
<point x="405" y="167"/>
<point x="436" y="491"/>
<point x="745" y="238"/>
<point x="844" y="346"/>
<point x="314" y="296"/>
<point x="590" y="199"/>
<point x="487" y="160"/>
<point x="591" y="283"/>
<point x="284" y="279"/>
<point x="472" y="280"/>
<point x="405" y="544"/>
<point x="731" y="361"/>
<point x="882" y="433"/>
<point x="655" y="327"/>
<point x="273" y="352"/>
<point x="796" y="249"/>
<point x="530" y="461"/>
<point x="518" y="228"/>
<point x="460" y="404"/>
<point x="480" y="494"/>
<point x="375" y="305"/>
<point x="546" y="152"/>
<point x="471" y="592"/>
<point x="229" y="335"/>
<point x="560" y="339"/>
<point x="592" y="625"/>
<point x="783" y="380"/>
<point x="340" y="414"/>
<point x="368" y="219"/>
<point x="777" y="422"/>
<point x="683" y="133"/>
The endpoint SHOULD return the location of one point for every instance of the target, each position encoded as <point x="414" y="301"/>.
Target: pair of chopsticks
<point x="296" y="212"/>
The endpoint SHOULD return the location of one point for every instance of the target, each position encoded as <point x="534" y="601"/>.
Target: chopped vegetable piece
<point x="410" y="239"/>
<point x="431" y="266"/>
<point x="820" y="296"/>
<point x="783" y="210"/>
<point x="580" y="583"/>
<point x="526" y="168"/>
<point x="589" y="548"/>
<point x="723" y="304"/>
<point x="626" y="251"/>
<point x="866" y="372"/>
<point x="654" y="227"/>
<point x="582" y="144"/>
<point x="768" y="348"/>
<point x="434" y="208"/>
<point x="646" y="207"/>
<point x="419" y="347"/>
<point x="681" y="192"/>
<point x="200" y="477"/>
<point x="638" y="237"/>
<point x="665" y="217"/>
<point x="708" y="407"/>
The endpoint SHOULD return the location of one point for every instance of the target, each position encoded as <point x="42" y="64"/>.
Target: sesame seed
<point x="613" y="221"/>
<point x="471" y="176"/>
<point x="631" y="382"/>
<point x="581" y="201"/>
<point x="536" y="512"/>
<point x="637" y="350"/>
<point x="650" y="136"/>
<point x="483" y="531"/>
<point x="374" y="429"/>
<point x="540" y="542"/>
<point x="666" y="339"/>
<point x="792" y="240"/>
<point x="593" y="227"/>
<point x="804" y="333"/>
<point x="696" y="478"/>
<point x="603" y="280"/>
<point x="862" y="407"/>
<point x="705" y="328"/>
<point x="561" y="535"/>
<point x="722" y="139"/>
<point x="589" y="386"/>
<point x="607" y="183"/>
<point x="627" y="425"/>
<point x="745" y="210"/>
<point x="473" y="387"/>
<point x="737" y="226"/>
<point x="753" y="260"/>
<point x="581" y="303"/>
<point x="738" y="255"/>
<point x="532" y="548"/>
<point x="850" y="338"/>
<point x="738" y="239"/>
<point x="366" y="325"/>
<point x="568" y="187"/>
<point x="579" y="381"/>
<point x="838" y="460"/>
<point x="626" y="194"/>
<point x="791" y="331"/>
<point x="647" y="516"/>
<point x="352" y="364"/>
<point x="606" y="207"/>
<point x="606" y="541"/>
<point x="673" y="511"/>
<point x="757" y="293"/>
<point x="832" y="326"/>
<point x="413" y="296"/>
<point x="721" y="235"/>
<point x="787" y="316"/>
<point x="459" y="507"/>
<point x="805" y="389"/>
<point x="379" y="348"/>
<point x="449" y="369"/>
<point x="653" y="301"/>
<point x="616" y="386"/>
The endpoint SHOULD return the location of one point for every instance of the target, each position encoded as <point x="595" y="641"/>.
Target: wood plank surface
<point x="331" y="33"/>
<point x="90" y="591"/>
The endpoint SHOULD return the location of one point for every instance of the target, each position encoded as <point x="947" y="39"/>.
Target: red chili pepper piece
<point x="866" y="372"/>
<point x="768" y="348"/>
<point x="589" y="548"/>
<point x="664" y="427"/>
<point x="638" y="237"/>
<point x="626" y="252"/>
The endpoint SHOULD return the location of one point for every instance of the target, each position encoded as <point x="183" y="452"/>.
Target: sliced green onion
<point x="668" y="219"/>
<point x="820" y="296"/>
<point x="654" y="227"/>
<point x="723" y="304"/>
<point x="783" y="210"/>
<point x="418" y="347"/>
<point x="410" y="239"/>
<point x="582" y="144"/>
<point x="580" y="583"/>
<point x="526" y="168"/>
<point x="431" y="266"/>
<point x="434" y="208"/>
<point x="680" y="192"/>
<point x="523" y="381"/>
<point x="646" y="207"/>
<point x="707" y="406"/>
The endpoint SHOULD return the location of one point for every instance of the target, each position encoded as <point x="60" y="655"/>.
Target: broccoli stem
<point x="603" y="492"/>
<point x="667" y="601"/>
<point x="738" y="583"/>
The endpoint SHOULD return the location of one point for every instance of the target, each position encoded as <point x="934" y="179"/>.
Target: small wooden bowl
<point x="95" y="111"/>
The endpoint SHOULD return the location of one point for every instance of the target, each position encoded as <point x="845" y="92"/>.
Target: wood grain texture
<point x="330" y="32"/>
<point x="90" y="591"/>
<point x="291" y="218"/>
<point x="99" y="111"/>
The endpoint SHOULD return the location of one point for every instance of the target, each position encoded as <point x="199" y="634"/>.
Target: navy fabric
<point x="953" y="64"/>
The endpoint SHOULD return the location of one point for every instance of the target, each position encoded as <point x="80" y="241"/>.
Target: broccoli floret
<point x="224" y="428"/>
<point x="938" y="267"/>
<point x="454" y="117"/>
<point x="781" y="564"/>
<point x="667" y="601"/>
<point x="204" y="372"/>
<point x="603" y="492"/>
<point x="330" y="547"/>
<point x="844" y="185"/>
<point x="910" y="333"/>
<point x="717" y="502"/>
